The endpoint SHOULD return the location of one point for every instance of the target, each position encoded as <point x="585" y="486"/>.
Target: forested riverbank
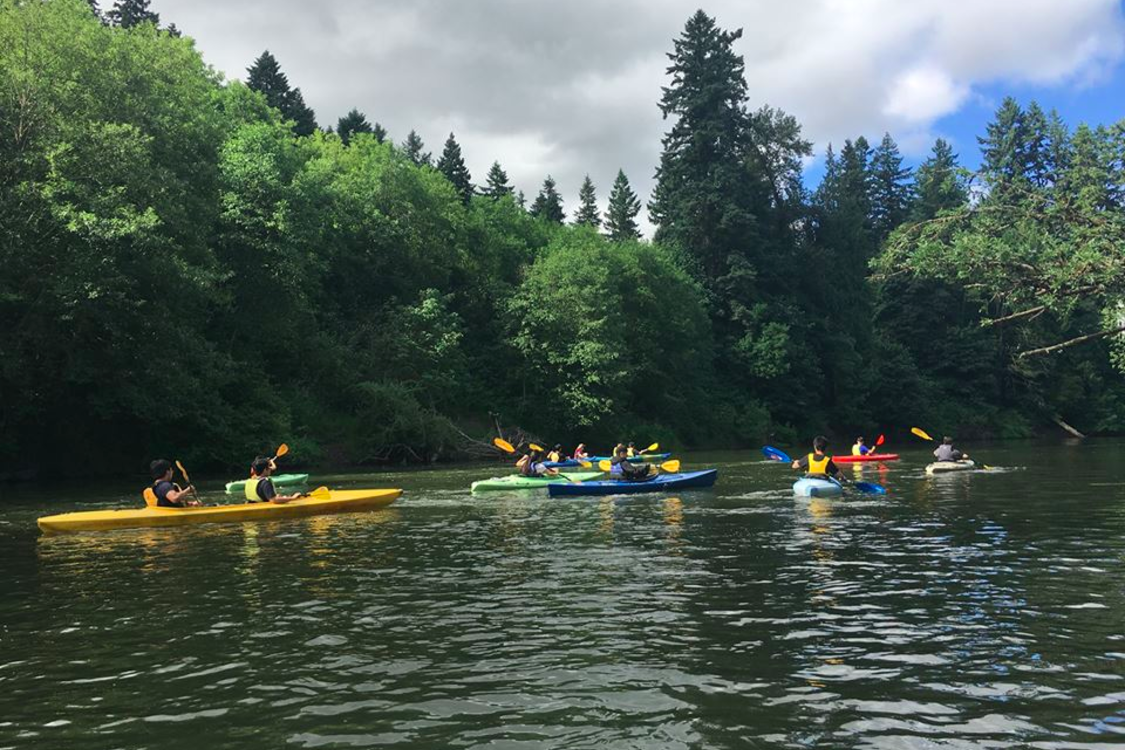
<point x="196" y="267"/>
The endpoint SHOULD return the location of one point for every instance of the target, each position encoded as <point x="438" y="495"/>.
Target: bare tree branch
<point x="1072" y="342"/>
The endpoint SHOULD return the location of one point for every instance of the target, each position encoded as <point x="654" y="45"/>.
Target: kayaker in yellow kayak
<point x="163" y="493"/>
<point x="531" y="465"/>
<point x="860" y="448"/>
<point x="818" y="463"/>
<point x="629" y="471"/>
<point x="259" y="487"/>
<point x="946" y="451"/>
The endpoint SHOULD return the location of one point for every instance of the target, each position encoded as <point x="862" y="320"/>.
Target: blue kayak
<point x="814" y="487"/>
<point x="570" y="463"/>
<point x="659" y="483"/>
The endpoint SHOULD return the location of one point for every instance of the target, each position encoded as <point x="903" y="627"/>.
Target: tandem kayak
<point x="659" y="483"/>
<point x="519" y="482"/>
<point x="339" y="501"/>
<point x="868" y="457"/>
<point x="280" y="480"/>
<point x="814" y="487"/>
<point x="636" y="459"/>
<point x="944" y="467"/>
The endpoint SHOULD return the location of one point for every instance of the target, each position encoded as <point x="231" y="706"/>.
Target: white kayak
<point x="943" y="467"/>
<point x="815" y="487"/>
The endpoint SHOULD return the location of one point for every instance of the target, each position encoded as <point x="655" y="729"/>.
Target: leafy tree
<point x="548" y="204"/>
<point x="453" y="167"/>
<point x="496" y="185"/>
<point x="413" y="146"/>
<point x="588" y="214"/>
<point x="620" y="218"/>
<point x="353" y="122"/>
<point x="130" y="13"/>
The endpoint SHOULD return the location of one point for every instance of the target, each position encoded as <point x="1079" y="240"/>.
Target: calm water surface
<point x="982" y="610"/>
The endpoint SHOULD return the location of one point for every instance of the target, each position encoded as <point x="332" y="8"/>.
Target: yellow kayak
<point x="339" y="501"/>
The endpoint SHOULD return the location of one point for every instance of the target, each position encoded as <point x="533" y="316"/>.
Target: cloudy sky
<point x="570" y="88"/>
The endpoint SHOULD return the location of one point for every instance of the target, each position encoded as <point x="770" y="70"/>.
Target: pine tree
<point x="496" y="184"/>
<point x="130" y="13"/>
<point x="587" y="213"/>
<point x="453" y="167"/>
<point x="1004" y="150"/>
<point x="548" y="204"/>
<point x="620" y="217"/>
<point x="380" y="133"/>
<point x="521" y="199"/>
<point x="96" y="9"/>
<point x="937" y="184"/>
<point x="890" y="189"/>
<point x="413" y="146"/>
<point x="704" y="196"/>
<point x="353" y="122"/>
<point x="265" y="76"/>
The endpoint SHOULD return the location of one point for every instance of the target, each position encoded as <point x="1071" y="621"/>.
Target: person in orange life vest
<point x="163" y="493"/>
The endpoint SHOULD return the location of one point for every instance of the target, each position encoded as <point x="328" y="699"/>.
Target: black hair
<point x="159" y="467"/>
<point x="259" y="465"/>
<point x="859" y="438"/>
<point x="819" y="443"/>
<point x="558" y="446"/>
<point x="947" y="440"/>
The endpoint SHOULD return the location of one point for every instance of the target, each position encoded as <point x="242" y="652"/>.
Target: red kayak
<point x="868" y="457"/>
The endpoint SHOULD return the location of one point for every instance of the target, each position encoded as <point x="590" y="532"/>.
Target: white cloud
<point x="571" y="88"/>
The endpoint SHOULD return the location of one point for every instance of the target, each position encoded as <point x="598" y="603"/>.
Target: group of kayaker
<point x="820" y="464"/>
<point x="164" y="493"/>
<point x="534" y="462"/>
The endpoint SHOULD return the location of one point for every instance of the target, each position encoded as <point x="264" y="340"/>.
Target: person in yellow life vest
<point x="631" y="451"/>
<point x="163" y="493"/>
<point x="860" y="448"/>
<point x="818" y="463"/>
<point x="259" y="487"/>
<point x="556" y="454"/>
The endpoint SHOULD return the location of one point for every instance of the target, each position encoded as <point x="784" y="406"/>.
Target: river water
<point x="980" y="610"/>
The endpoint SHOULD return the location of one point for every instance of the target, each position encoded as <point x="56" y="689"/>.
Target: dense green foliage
<point x="193" y="268"/>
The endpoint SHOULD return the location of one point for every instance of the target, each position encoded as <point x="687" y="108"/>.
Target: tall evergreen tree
<point x="587" y="213"/>
<point x="413" y="146"/>
<point x="521" y="199"/>
<point x="379" y="132"/>
<point x="620" y="217"/>
<point x="453" y="167"/>
<point x="1004" y="150"/>
<point x="129" y="13"/>
<point x="548" y="204"/>
<point x="496" y="184"/>
<point x="266" y="77"/>
<point x="937" y="184"/>
<point x="890" y="188"/>
<point x="353" y="122"/>
<point x="702" y="202"/>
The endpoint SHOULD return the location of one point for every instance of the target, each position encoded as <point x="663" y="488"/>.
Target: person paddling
<point x="860" y="448"/>
<point x="580" y="453"/>
<point x="819" y="464"/>
<point x="629" y="471"/>
<point x="259" y="487"/>
<point x="163" y="493"/>
<point x="946" y="451"/>
<point x="556" y="454"/>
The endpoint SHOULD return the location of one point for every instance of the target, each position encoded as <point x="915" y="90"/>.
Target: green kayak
<point x="279" y="480"/>
<point x="517" y="482"/>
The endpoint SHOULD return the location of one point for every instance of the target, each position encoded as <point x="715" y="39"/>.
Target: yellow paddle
<point x="651" y="449"/>
<point x="320" y="493"/>
<point x="669" y="466"/>
<point x="503" y="445"/>
<point x="922" y="434"/>
<point x="187" y="479"/>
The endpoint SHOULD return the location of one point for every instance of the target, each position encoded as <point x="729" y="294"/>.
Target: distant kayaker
<point x="818" y="463"/>
<point x="531" y="465"/>
<point x="629" y="471"/>
<point x="860" y="448"/>
<point x="163" y="493"/>
<point x="946" y="451"/>
<point x="259" y="487"/>
<point x="580" y="453"/>
<point x="556" y="454"/>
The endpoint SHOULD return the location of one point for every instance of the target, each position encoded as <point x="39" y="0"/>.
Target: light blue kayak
<point x="814" y="487"/>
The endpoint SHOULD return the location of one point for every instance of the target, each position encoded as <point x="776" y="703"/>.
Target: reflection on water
<point x="980" y="610"/>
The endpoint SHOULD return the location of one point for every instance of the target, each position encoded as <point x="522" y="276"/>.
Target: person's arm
<point x="801" y="463"/>
<point x="180" y="497"/>
<point x="936" y="452"/>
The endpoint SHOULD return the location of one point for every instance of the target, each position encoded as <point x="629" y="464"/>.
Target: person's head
<point x="261" y="467"/>
<point x="820" y="443"/>
<point x="632" y="444"/>
<point x="859" y="440"/>
<point x="161" y="468"/>
<point x="947" y="440"/>
<point x="558" y="446"/>
<point x="581" y="447"/>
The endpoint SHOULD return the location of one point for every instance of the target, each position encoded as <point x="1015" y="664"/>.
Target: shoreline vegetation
<point x="195" y="267"/>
